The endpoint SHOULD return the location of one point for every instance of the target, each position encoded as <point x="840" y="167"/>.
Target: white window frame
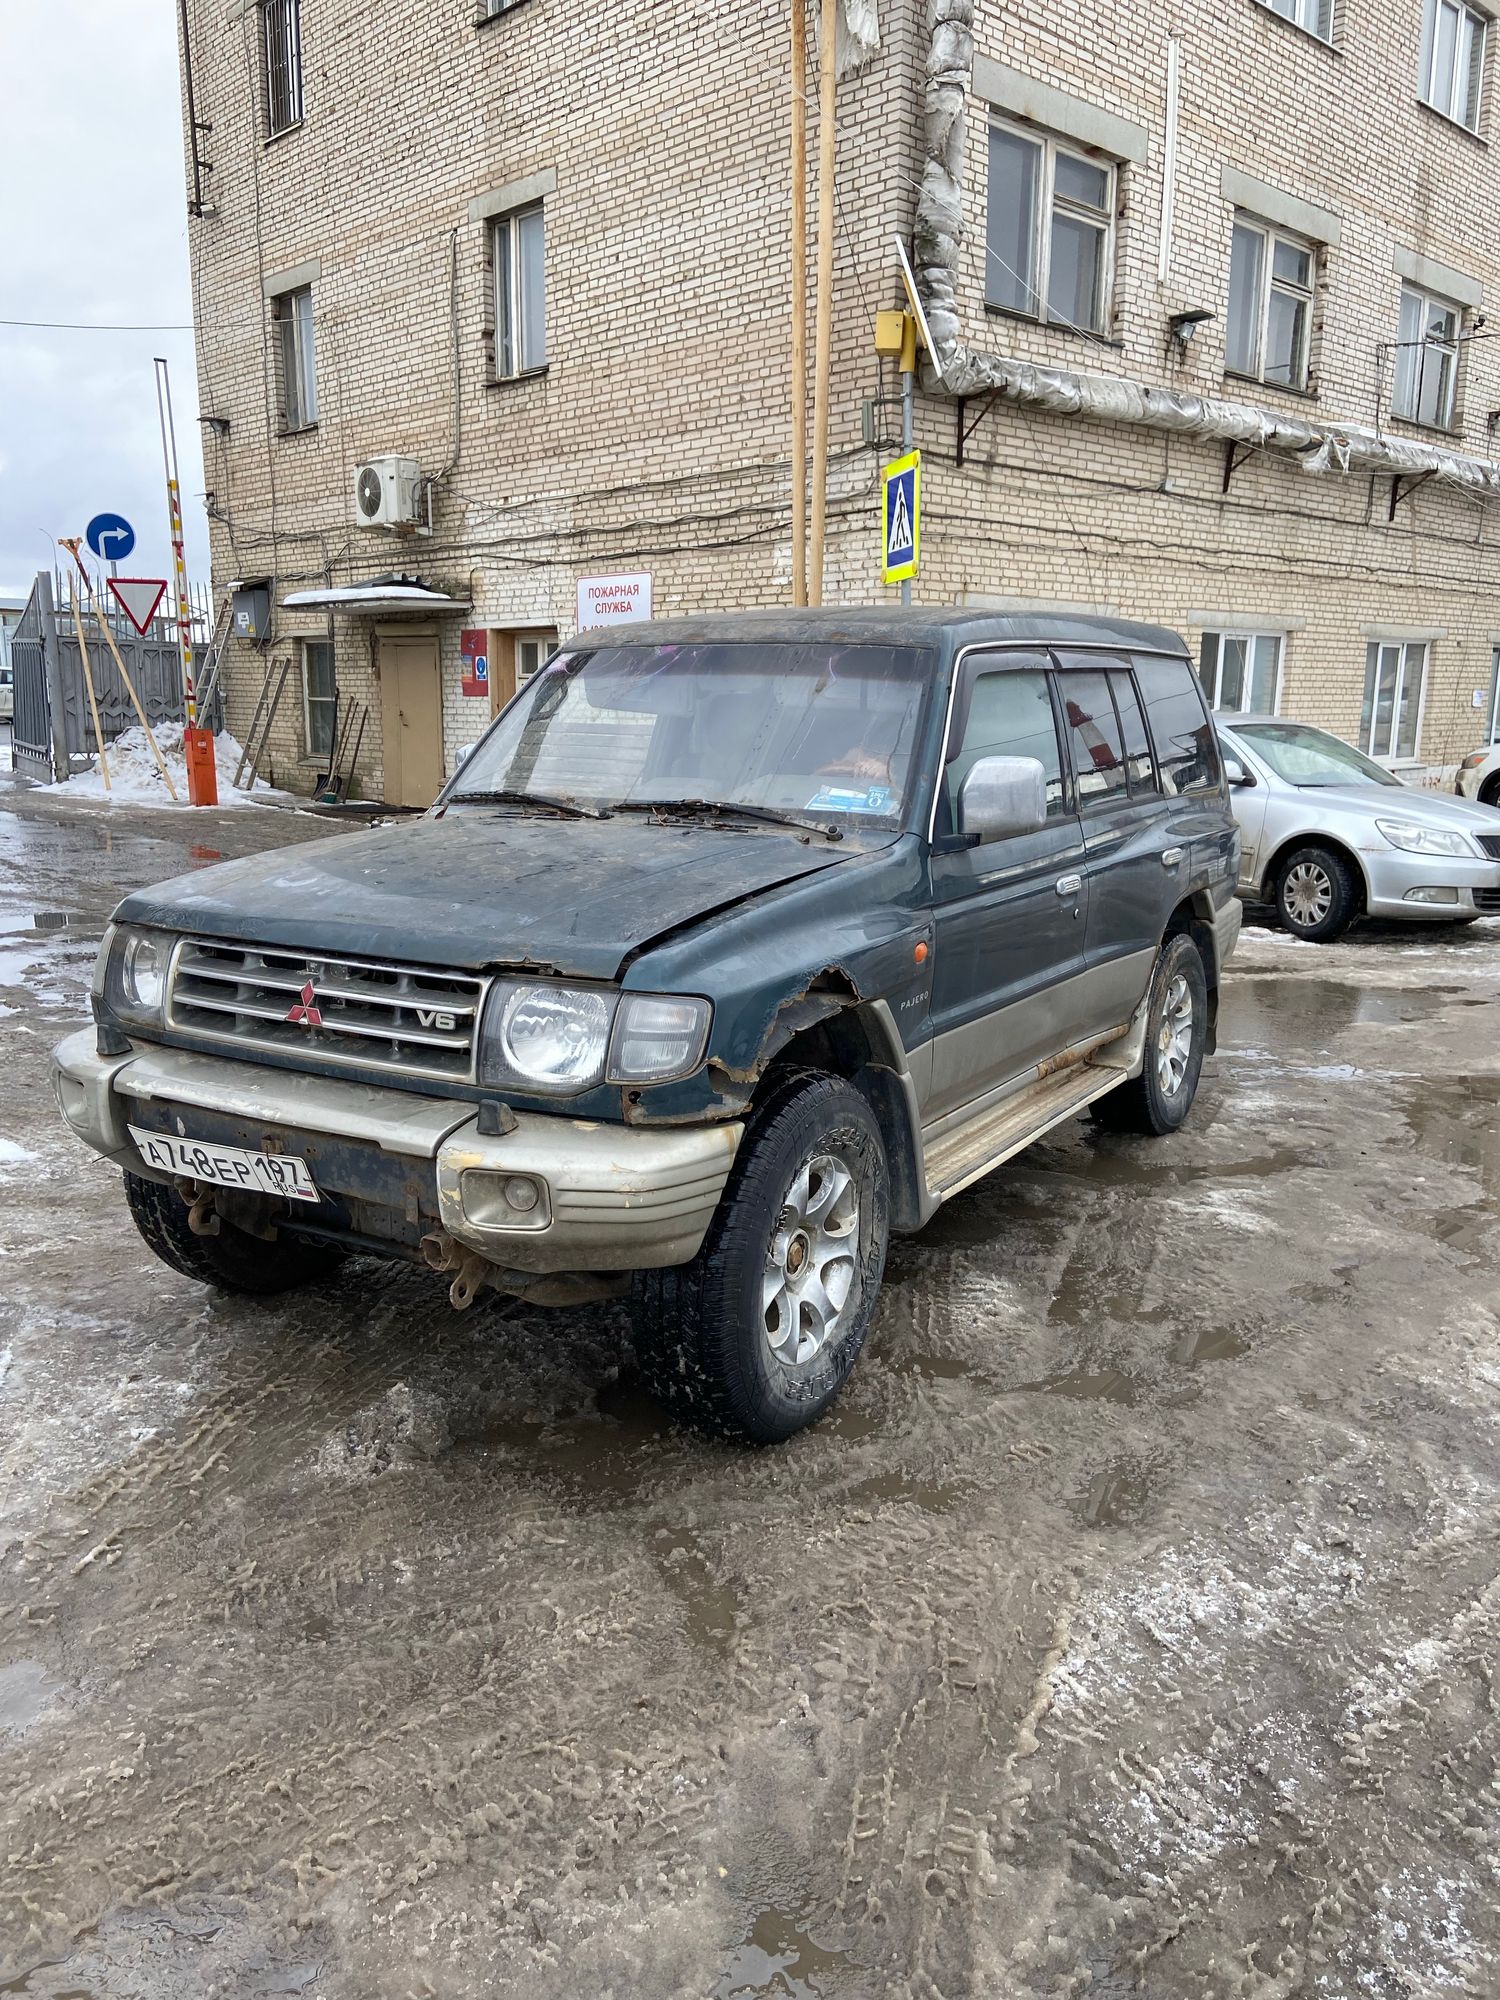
<point x="1458" y="95"/>
<point x="1270" y="236"/>
<point x="314" y="752"/>
<point x="1420" y="353"/>
<point x="297" y="358"/>
<point x="1313" y="17"/>
<point x="1219" y="640"/>
<point x="1412" y="655"/>
<point x="1048" y="204"/>
<point x="537" y="648"/>
<point x="507" y="293"/>
<point x="281" y="51"/>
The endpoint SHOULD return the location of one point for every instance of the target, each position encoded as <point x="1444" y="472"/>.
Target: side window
<point x="1187" y="751"/>
<point x="1140" y="767"/>
<point x="1093" y="737"/>
<point x="1010" y="715"/>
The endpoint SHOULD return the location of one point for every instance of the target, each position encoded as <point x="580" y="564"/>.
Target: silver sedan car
<point x="1327" y="835"/>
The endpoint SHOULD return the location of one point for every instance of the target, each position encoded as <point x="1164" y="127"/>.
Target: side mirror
<point x="460" y="753"/>
<point x="1002" y="796"/>
<point x="1235" y="772"/>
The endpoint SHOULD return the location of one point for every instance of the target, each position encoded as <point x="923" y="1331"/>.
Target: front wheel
<point x="1316" y="897"/>
<point x="1158" y="1100"/>
<point x="232" y="1260"/>
<point x="756" y="1336"/>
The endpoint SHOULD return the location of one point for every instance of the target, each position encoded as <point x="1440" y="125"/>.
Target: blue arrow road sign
<point x="110" y="536"/>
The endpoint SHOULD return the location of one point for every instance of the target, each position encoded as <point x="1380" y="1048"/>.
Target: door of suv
<point x="1008" y="915"/>
<point x="1135" y="862"/>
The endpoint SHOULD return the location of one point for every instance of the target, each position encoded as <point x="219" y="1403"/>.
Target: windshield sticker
<point x="833" y="799"/>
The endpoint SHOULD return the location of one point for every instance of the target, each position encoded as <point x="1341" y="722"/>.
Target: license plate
<point x="226" y="1166"/>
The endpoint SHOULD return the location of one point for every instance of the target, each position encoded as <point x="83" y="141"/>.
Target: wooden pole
<point x="823" y="333"/>
<point x="88" y="681"/>
<point x="109" y="640"/>
<point x="799" y="302"/>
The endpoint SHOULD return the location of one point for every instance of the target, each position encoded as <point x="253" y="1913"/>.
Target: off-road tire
<point x="232" y="1261"/>
<point x="1144" y="1104"/>
<point x="702" y="1328"/>
<point x="1318" y="864"/>
<point x="1489" y="791"/>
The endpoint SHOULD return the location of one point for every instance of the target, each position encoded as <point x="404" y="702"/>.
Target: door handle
<point x="1170" y="856"/>
<point x="1069" y="885"/>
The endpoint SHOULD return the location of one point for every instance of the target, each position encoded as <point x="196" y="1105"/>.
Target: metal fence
<point x="52" y="731"/>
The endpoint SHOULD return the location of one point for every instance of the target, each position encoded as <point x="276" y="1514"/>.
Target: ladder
<point x="259" y="732"/>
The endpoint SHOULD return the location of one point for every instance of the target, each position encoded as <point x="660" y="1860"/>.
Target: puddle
<point x="1288" y="1013"/>
<point x="897" y="1486"/>
<point x="1116" y="1499"/>
<point x="27" y="1691"/>
<point x="711" y="1608"/>
<point x="1213" y="1344"/>
<point x="1109" y="1386"/>
<point x="934" y="1367"/>
<point x="780" y="1961"/>
<point x="49" y="920"/>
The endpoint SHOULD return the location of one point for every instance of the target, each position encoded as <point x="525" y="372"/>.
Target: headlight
<point x="1473" y="763"/>
<point x="657" y="1037"/>
<point x="1423" y="839"/>
<point x="135" y="975"/>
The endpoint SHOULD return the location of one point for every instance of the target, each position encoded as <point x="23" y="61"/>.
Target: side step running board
<point x="968" y="1153"/>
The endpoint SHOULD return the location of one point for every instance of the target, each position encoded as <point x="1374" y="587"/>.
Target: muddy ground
<point x="1130" y="1627"/>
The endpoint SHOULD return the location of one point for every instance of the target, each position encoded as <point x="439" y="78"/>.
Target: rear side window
<point x="1010" y="715"/>
<point x="1140" y="766"/>
<point x="1094" y="742"/>
<point x="1187" y="751"/>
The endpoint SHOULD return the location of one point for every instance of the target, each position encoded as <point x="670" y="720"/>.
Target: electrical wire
<point x="93" y="326"/>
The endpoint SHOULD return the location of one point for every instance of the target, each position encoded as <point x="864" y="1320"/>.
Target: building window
<point x="1048" y="238"/>
<point x="1241" y="671"/>
<point x="1270" y="304"/>
<point x="488" y="9"/>
<point x="532" y="648"/>
<point x="297" y="359"/>
<point x="320" y="699"/>
<point x="281" y="31"/>
<point x="517" y="247"/>
<point x="1426" y="359"/>
<point x="1395" y="679"/>
<point x="1453" y="46"/>
<point x="1316" y="16"/>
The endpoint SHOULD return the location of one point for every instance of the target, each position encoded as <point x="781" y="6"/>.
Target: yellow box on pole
<point x="890" y="328"/>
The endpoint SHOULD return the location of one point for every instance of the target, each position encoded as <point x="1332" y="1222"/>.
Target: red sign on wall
<point x="474" y="644"/>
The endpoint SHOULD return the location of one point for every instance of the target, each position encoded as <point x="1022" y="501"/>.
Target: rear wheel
<point x="1316" y="896"/>
<point x="756" y="1336"/>
<point x="1158" y="1100"/>
<point x="232" y="1260"/>
<point x="1489" y="791"/>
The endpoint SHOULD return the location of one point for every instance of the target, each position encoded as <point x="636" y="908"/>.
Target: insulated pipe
<point x="823" y="336"/>
<point x="799" y="302"/>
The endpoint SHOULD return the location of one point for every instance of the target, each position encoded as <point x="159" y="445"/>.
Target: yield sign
<point x="138" y="598"/>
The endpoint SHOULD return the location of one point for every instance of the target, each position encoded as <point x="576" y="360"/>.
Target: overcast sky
<point x="93" y="227"/>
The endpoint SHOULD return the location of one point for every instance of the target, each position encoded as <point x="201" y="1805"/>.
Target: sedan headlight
<point x="135" y="975"/>
<point x="561" y="1040"/>
<point x="1423" y="839"/>
<point x="1472" y="763"/>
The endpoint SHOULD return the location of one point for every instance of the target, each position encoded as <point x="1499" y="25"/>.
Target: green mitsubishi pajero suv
<point x="736" y="944"/>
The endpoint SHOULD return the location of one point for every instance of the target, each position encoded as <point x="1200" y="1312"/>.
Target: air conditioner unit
<point x="388" y="493"/>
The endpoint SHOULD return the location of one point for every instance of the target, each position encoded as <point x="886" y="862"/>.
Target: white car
<point x="1479" y="776"/>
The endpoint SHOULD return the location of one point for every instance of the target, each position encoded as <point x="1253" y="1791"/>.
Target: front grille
<point x="367" y="1015"/>
<point x="1489" y="844"/>
<point x="1487" y="899"/>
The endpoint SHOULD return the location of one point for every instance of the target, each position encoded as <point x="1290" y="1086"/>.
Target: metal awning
<point x="375" y="599"/>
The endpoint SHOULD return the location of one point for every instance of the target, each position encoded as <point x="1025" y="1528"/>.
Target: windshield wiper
<point x="721" y="809"/>
<point x="508" y="796"/>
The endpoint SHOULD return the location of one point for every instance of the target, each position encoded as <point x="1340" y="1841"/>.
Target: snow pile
<point x="136" y="781"/>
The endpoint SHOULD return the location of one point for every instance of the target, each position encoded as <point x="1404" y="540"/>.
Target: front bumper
<point x="1391" y="874"/>
<point x="392" y="1166"/>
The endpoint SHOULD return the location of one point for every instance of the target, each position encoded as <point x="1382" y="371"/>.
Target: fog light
<point x="1430" y="894"/>
<point x="494" y="1200"/>
<point x="522" y="1194"/>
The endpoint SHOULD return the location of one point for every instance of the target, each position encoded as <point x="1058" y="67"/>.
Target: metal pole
<point x="174" y="512"/>
<point x="799" y="302"/>
<point x="908" y="405"/>
<point x="823" y="332"/>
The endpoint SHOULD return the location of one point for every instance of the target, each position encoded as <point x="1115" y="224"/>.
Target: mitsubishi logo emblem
<point x="306" y="1008"/>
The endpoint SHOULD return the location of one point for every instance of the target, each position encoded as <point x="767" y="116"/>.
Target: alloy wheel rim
<point x="1174" y="1039"/>
<point x="808" y="1291"/>
<point x="1308" y="893"/>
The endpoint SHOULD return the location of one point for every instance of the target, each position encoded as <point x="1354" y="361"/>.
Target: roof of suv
<point x="887" y="625"/>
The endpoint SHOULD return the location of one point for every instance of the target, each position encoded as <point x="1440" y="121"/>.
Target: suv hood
<point x="478" y="888"/>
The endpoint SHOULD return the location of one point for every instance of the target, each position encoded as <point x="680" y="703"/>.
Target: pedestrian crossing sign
<point x="901" y="518"/>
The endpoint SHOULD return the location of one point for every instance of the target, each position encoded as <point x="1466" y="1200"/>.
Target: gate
<point x="53" y="732"/>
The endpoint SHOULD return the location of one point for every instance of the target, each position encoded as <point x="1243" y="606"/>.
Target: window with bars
<point x="297" y="359"/>
<point x="1049" y="236"/>
<point x="1426" y="377"/>
<point x="1395" y="679"/>
<point x="320" y="700"/>
<point x="1271" y="277"/>
<point x="1454" y="38"/>
<point x="518" y="259"/>
<point x="281" y="37"/>
<point x="1241" y="671"/>
<point x="1316" y="16"/>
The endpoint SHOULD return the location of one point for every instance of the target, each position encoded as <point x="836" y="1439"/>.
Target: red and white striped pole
<point x="197" y="744"/>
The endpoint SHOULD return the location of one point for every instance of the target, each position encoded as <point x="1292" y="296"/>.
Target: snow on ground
<point x="135" y="779"/>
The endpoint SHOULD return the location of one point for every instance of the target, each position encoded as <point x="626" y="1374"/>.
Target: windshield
<point x="1310" y="757"/>
<point x="806" y="732"/>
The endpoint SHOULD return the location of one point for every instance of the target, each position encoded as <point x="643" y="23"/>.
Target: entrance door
<point x="412" y="704"/>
